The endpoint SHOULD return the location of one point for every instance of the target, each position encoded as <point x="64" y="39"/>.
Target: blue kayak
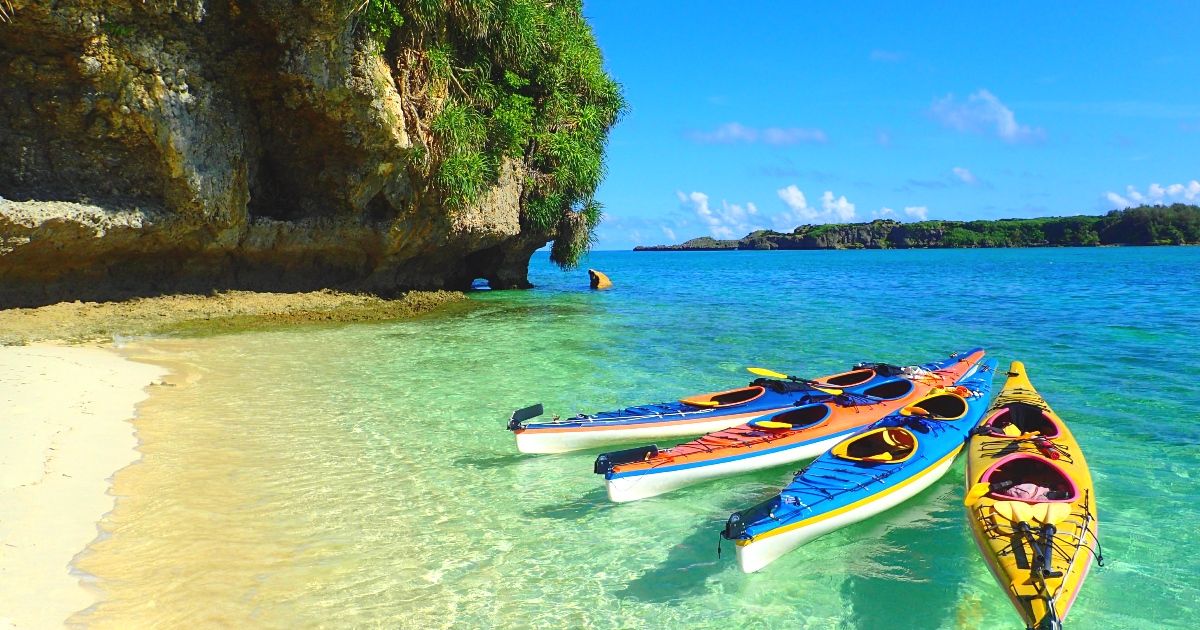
<point x="695" y="415"/>
<point x="883" y="465"/>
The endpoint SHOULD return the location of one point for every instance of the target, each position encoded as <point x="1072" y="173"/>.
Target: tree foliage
<point x="1145" y="225"/>
<point x="524" y="81"/>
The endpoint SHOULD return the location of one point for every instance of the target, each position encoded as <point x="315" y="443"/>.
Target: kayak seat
<point x="771" y="424"/>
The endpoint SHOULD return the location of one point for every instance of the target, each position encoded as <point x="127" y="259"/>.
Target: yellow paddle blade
<point x="977" y="492"/>
<point x="771" y="424"/>
<point x="832" y="391"/>
<point x="1056" y="513"/>
<point x="1037" y="512"/>
<point x="1011" y="430"/>
<point x="913" y="410"/>
<point x="1016" y="511"/>
<point x="1024" y="512"/>
<point x="699" y="403"/>
<point x="765" y="372"/>
<point x="1005" y="509"/>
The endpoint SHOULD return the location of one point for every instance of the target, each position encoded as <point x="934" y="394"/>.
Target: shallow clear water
<point x="362" y="476"/>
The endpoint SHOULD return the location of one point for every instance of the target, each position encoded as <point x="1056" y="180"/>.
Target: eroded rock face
<point x="151" y="147"/>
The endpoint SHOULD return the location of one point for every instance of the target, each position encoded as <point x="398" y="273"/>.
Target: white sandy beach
<point x="64" y="430"/>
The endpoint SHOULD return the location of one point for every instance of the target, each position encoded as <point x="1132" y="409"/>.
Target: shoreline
<point x="71" y="391"/>
<point x="68" y="430"/>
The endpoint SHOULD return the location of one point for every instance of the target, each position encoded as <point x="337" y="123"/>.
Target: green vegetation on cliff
<point x="1177" y="224"/>
<point x="522" y="82"/>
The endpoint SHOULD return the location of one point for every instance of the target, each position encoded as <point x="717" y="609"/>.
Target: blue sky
<point x="746" y="116"/>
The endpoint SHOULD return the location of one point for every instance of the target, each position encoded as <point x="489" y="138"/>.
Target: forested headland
<point x="1177" y="224"/>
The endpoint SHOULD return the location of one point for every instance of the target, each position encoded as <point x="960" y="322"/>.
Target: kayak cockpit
<point x="726" y="398"/>
<point x="938" y="407"/>
<point x="1025" y="419"/>
<point x="851" y="378"/>
<point x="793" y="419"/>
<point x="1023" y="477"/>
<point x="890" y="445"/>
<point x="890" y="390"/>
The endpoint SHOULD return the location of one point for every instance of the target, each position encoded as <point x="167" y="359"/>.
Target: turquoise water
<point x="362" y="476"/>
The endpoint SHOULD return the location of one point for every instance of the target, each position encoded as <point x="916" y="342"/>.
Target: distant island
<point x="1178" y="224"/>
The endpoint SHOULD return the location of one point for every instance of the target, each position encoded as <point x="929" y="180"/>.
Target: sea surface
<point x="361" y="475"/>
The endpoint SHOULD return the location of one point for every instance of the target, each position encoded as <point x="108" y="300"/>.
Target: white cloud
<point x="794" y="198"/>
<point x="730" y="221"/>
<point x="833" y="209"/>
<point x="1156" y="194"/>
<point x="726" y="134"/>
<point x="981" y="112"/>
<point x="965" y="176"/>
<point x="793" y="135"/>
<point x="920" y="213"/>
<point x="734" y="132"/>
<point x="698" y="214"/>
<point x="842" y="209"/>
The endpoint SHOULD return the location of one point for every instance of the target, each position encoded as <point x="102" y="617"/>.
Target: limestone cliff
<point x="158" y="146"/>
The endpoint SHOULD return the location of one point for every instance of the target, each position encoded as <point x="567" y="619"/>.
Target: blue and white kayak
<point x="694" y="415"/>
<point x="880" y="467"/>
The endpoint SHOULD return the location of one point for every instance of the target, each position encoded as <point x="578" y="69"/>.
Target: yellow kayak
<point x="1030" y="503"/>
